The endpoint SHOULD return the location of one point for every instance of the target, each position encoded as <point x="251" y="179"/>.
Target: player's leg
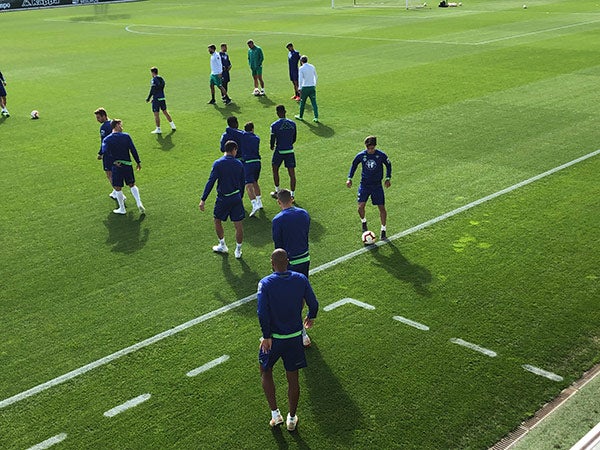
<point x="378" y="198"/>
<point x="313" y="102"/>
<point x="275" y="164"/>
<point x="261" y="81"/>
<point x="255" y="78"/>
<point x="293" y="391"/>
<point x="163" y="107"/>
<point x="156" y="112"/>
<point x="303" y="96"/>
<point x="268" y="385"/>
<point x="292" y="173"/>
<point x="157" y="119"/>
<point x="219" y="229"/>
<point x="118" y="182"/>
<point x="239" y="237"/>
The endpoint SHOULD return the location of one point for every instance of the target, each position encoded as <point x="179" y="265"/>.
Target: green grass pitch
<point x="466" y="101"/>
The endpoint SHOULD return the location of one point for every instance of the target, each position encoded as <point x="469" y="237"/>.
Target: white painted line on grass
<point x="515" y="36"/>
<point x="127" y="405"/>
<point x="135" y="347"/>
<point x="412" y="323"/>
<point x="542" y="372"/>
<point x="207" y="366"/>
<point x="591" y="441"/>
<point x="125" y="351"/>
<point x="49" y="442"/>
<point x="348" y="300"/>
<point x="477" y="348"/>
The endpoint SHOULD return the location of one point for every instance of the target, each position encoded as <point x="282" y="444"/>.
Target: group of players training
<point x="282" y="294"/>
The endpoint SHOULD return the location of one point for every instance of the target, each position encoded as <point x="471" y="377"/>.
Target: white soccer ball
<point x="35" y="114"/>
<point x="256" y="92"/>
<point x="524" y="6"/>
<point x="368" y="237"/>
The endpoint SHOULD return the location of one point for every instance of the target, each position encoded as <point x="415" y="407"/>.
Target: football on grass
<point x="368" y="238"/>
<point x="35" y="114"/>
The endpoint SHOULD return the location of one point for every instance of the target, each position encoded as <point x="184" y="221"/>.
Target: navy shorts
<point x="302" y="268"/>
<point x="2" y="90"/>
<point x="375" y="192"/>
<point x="290" y="350"/>
<point x="229" y="207"/>
<point x="288" y="159"/>
<point x="251" y="172"/>
<point x="122" y="175"/>
<point x="159" y="105"/>
<point x="107" y="163"/>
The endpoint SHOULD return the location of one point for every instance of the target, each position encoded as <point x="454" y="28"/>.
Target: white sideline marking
<point x="542" y="372"/>
<point x="591" y="441"/>
<point x="412" y="323"/>
<point x="536" y="32"/>
<point x="207" y="366"/>
<point x="348" y="300"/>
<point x="127" y="405"/>
<point x="477" y="348"/>
<point x="100" y="362"/>
<point x="49" y="442"/>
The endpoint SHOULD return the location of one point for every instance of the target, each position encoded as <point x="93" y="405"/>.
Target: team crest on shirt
<point x="371" y="164"/>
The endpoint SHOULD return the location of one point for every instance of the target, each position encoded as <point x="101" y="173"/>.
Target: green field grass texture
<point x="465" y="101"/>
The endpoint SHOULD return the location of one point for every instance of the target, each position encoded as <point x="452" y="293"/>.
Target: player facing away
<point x="307" y="79"/>
<point x="293" y="60"/>
<point x="255" y="61"/>
<point x="119" y="148"/>
<point x="159" y="103"/>
<point x="228" y="173"/>
<point x="232" y="133"/>
<point x="105" y="130"/>
<point x="252" y="165"/>
<point x="290" y="228"/>
<point x="5" y="112"/>
<point x="216" y="76"/>
<point x="281" y="297"/>
<point x="373" y="161"/>
<point x="283" y="137"/>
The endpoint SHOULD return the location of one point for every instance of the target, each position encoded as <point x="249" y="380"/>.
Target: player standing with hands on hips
<point x="372" y="161"/>
<point x="281" y="297"/>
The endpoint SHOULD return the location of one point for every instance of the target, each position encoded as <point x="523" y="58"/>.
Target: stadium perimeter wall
<point x="9" y="5"/>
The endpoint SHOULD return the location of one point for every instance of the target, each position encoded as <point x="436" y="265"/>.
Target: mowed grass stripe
<point x="156" y="338"/>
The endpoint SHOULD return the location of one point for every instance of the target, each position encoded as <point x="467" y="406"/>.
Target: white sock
<point x="238" y="245"/>
<point x="121" y="199"/>
<point x="276" y="188"/>
<point x="136" y="194"/>
<point x="382" y="227"/>
<point x="275" y="413"/>
<point x="172" y="124"/>
<point x="222" y="241"/>
<point x="254" y="203"/>
<point x="304" y="333"/>
<point x="364" y="220"/>
<point x="258" y="199"/>
<point x="292" y="192"/>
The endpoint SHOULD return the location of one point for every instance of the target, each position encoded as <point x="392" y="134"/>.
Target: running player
<point x="251" y="159"/>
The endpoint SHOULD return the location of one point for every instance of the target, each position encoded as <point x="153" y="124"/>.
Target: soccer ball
<point x="35" y="114"/>
<point x="368" y="238"/>
<point x="256" y="92"/>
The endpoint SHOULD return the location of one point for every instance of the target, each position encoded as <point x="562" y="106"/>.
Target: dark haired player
<point x="281" y="297"/>
<point x="226" y="78"/>
<point x="119" y="148"/>
<point x="290" y="230"/>
<point x="372" y="161"/>
<point x="159" y="103"/>
<point x="216" y="76"/>
<point x="252" y="166"/>
<point x="232" y="133"/>
<point x="283" y="137"/>
<point x="105" y="130"/>
<point x="228" y="171"/>
<point x="293" y="60"/>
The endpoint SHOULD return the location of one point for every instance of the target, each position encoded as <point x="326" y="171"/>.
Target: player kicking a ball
<point x="373" y="161"/>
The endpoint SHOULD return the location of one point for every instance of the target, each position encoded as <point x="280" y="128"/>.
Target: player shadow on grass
<point x="165" y="142"/>
<point x="257" y="229"/>
<point x="266" y="102"/>
<point x="329" y="400"/>
<point x="400" y="267"/>
<point x="125" y="233"/>
<point x="242" y="282"/>
<point x="317" y="128"/>
<point x="279" y="435"/>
